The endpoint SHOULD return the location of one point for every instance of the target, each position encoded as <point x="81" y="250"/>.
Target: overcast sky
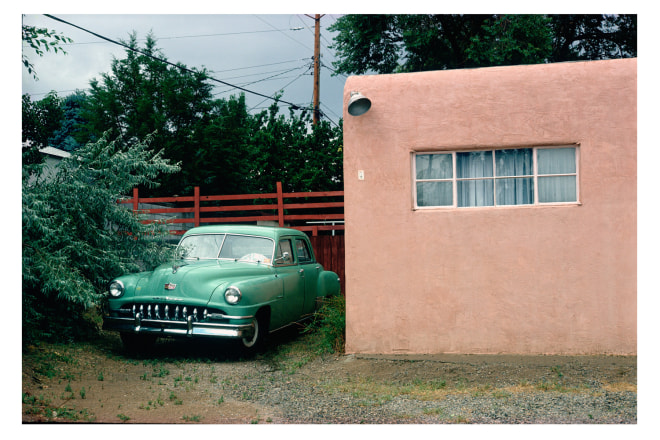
<point x="264" y="53"/>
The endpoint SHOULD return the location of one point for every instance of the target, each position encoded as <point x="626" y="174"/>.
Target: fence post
<point x="280" y="205"/>
<point x="197" y="219"/>
<point x="136" y="200"/>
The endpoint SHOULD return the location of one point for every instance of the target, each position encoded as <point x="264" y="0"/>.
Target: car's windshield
<point x="201" y="246"/>
<point x="235" y="247"/>
<point x="248" y="248"/>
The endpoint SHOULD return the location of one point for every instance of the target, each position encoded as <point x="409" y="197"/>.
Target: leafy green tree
<point x="76" y="237"/>
<point x="406" y="43"/>
<point x="52" y="121"/>
<point x="593" y="37"/>
<point x="39" y="120"/>
<point x="511" y="40"/>
<point x="303" y="157"/>
<point x="40" y="40"/>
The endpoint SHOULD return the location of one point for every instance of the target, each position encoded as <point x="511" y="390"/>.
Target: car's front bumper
<point x="241" y="328"/>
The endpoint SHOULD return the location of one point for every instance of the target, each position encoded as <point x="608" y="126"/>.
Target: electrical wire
<point x="276" y="72"/>
<point x="187" y="36"/>
<point x="288" y="36"/>
<point x="260" y="65"/>
<point x="178" y="66"/>
<point x="282" y="89"/>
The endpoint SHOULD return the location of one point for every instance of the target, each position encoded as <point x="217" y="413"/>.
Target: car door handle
<point x="301" y="271"/>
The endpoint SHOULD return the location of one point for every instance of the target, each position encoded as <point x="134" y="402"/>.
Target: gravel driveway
<point x="183" y="382"/>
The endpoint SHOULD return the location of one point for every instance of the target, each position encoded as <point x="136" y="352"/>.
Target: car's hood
<point x="197" y="280"/>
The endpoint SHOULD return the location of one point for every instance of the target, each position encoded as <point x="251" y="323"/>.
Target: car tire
<point x="261" y="322"/>
<point x="137" y="343"/>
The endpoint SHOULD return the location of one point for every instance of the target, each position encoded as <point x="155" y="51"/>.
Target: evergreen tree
<point x="143" y="95"/>
<point x="64" y="137"/>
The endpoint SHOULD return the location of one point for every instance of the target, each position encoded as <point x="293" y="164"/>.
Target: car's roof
<point x="265" y="231"/>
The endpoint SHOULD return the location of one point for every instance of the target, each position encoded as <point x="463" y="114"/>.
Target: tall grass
<point x="330" y="322"/>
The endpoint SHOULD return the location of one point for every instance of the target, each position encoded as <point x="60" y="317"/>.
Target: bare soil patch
<point x="182" y="381"/>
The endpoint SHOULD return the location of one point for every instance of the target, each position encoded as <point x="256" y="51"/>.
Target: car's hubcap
<point x="251" y="340"/>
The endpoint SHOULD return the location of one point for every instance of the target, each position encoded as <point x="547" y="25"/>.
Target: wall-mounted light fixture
<point x="358" y="104"/>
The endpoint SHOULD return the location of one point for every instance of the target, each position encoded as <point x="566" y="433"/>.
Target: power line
<point x="330" y="68"/>
<point x="270" y="78"/>
<point x="190" y="36"/>
<point x="287" y="85"/>
<point x="178" y="66"/>
<point x="276" y="72"/>
<point x="260" y="65"/>
<point x="288" y="36"/>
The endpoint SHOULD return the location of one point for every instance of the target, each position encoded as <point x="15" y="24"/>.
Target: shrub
<point x="76" y="237"/>
<point x="330" y="322"/>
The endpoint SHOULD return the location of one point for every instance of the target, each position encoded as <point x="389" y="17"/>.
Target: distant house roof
<point x="55" y="152"/>
<point x="50" y="151"/>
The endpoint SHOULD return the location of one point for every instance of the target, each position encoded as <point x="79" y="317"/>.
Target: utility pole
<point x="317" y="67"/>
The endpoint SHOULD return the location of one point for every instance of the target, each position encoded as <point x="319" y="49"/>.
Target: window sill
<point x="490" y="208"/>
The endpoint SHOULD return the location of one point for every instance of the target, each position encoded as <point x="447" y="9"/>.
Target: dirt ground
<point x="181" y="381"/>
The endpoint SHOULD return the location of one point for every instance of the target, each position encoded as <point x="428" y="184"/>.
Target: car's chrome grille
<point x="171" y="312"/>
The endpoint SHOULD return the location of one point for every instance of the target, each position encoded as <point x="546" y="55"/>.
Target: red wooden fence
<point x="296" y="210"/>
<point x="329" y="251"/>
<point x="302" y="215"/>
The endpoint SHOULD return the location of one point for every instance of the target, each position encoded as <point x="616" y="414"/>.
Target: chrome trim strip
<point x="174" y="328"/>
<point x="221" y="316"/>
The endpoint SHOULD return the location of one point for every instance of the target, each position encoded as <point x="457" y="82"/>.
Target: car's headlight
<point x="116" y="289"/>
<point x="232" y="295"/>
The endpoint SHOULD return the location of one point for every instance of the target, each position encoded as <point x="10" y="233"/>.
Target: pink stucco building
<point x="493" y="211"/>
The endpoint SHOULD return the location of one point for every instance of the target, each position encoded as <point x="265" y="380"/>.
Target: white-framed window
<point x="497" y="177"/>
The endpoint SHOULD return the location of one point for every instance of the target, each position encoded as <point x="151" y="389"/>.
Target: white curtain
<point x="434" y="166"/>
<point x="511" y="163"/>
<point x="557" y="188"/>
<point x="471" y="165"/>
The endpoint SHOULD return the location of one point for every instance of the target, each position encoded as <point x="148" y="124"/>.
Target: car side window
<point x="285" y="246"/>
<point x="302" y="250"/>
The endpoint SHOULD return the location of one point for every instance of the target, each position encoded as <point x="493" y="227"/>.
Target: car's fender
<point x="131" y="283"/>
<point x="256" y="293"/>
<point x="254" y="290"/>
<point x="328" y="284"/>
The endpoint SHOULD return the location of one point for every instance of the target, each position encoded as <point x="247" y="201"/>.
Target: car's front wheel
<point x="256" y="339"/>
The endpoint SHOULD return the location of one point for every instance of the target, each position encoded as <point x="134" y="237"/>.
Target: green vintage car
<point x="239" y="282"/>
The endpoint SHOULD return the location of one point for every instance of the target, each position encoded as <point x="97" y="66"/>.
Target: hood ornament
<point x="170" y="286"/>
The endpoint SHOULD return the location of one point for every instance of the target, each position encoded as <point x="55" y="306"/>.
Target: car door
<point x="309" y="270"/>
<point x="290" y="308"/>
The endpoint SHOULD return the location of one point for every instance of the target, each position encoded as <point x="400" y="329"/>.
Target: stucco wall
<point x="526" y="279"/>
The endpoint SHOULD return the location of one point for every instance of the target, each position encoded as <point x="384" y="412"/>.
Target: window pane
<point x="433" y="166"/>
<point x="556" y="160"/>
<point x="239" y="246"/>
<point x="285" y="246"/>
<point x="304" y="256"/>
<point x="474" y="164"/>
<point x="518" y="191"/>
<point x="557" y="189"/>
<point x="514" y="162"/>
<point x="201" y="246"/>
<point x="434" y="194"/>
<point x="475" y="193"/>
